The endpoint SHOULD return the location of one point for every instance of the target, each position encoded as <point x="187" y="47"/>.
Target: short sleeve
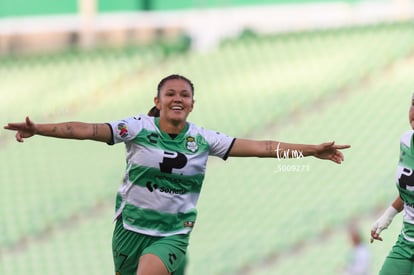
<point x="126" y="129"/>
<point x="220" y="144"/>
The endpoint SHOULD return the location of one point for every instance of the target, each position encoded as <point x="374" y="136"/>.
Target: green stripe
<point x="167" y="136"/>
<point x="408" y="229"/>
<point x="118" y="201"/>
<point x="406" y="195"/>
<point x="142" y="176"/>
<point x="153" y="139"/>
<point x="153" y="220"/>
<point x="406" y="157"/>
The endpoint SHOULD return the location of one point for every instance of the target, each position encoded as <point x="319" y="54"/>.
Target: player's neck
<point x="172" y="127"/>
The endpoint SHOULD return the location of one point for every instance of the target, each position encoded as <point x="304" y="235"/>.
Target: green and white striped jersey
<point x="164" y="175"/>
<point x="405" y="183"/>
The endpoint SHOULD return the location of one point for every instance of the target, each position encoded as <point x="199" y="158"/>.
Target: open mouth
<point x="177" y="108"/>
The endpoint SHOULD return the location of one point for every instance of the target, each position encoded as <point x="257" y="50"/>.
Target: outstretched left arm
<point x="276" y="149"/>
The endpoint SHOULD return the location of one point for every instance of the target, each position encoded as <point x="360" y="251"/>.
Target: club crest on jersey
<point x="191" y="144"/>
<point x="122" y="130"/>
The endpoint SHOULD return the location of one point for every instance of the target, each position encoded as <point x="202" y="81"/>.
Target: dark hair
<point x="154" y="112"/>
<point x="171" y="77"/>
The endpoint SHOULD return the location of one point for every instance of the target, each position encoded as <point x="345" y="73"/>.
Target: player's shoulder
<point x="406" y="138"/>
<point x="141" y="118"/>
<point x="208" y="134"/>
<point x="138" y="121"/>
<point x="198" y="129"/>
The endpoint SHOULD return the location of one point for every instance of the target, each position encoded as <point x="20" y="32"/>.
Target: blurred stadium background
<point x="301" y="71"/>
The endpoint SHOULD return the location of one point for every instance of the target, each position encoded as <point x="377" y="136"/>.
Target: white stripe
<point x="406" y="138"/>
<point x="156" y="232"/>
<point x="406" y="237"/>
<point x="408" y="214"/>
<point x="163" y="202"/>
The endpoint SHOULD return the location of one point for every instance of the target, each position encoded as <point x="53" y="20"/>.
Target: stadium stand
<point x="348" y="84"/>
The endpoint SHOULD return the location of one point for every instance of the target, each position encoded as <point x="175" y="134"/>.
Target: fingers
<point x="7" y="127"/>
<point x="14" y="126"/>
<point x="328" y="151"/>
<point x="19" y="125"/>
<point x="375" y="234"/>
<point x="337" y="157"/>
<point x="19" y="137"/>
<point x="23" y="129"/>
<point x="339" y="147"/>
<point x="28" y="121"/>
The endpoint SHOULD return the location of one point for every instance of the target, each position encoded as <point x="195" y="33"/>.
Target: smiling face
<point x="175" y="102"/>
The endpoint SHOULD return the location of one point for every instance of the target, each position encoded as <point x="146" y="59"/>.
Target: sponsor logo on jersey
<point x="152" y="138"/>
<point x="405" y="177"/>
<point x="191" y="144"/>
<point x="153" y="187"/>
<point x="122" y="130"/>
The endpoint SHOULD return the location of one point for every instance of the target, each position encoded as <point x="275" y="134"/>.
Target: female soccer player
<point x="166" y="161"/>
<point x="400" y="260"/>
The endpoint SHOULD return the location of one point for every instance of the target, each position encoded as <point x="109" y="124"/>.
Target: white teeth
<point x="177" y="108"/>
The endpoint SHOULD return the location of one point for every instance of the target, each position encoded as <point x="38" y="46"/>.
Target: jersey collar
<point x="166" y="135"/>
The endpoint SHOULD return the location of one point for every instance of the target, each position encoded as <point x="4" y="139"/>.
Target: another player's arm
<point x="386" y="218"/>
<point x="398" y="204"/>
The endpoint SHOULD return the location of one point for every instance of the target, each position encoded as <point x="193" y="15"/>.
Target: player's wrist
<point x="390" y="212"/>
<point x="385" y="220"/>
<point x="310" y="150"/>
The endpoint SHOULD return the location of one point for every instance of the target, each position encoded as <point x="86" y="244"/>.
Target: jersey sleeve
<point x="406" y="140"/>
<point x="219" y="143"/>
<point x="126" y="129"/>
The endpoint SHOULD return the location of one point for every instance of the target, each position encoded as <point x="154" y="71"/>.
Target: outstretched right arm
<point x="70" y="130"/>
